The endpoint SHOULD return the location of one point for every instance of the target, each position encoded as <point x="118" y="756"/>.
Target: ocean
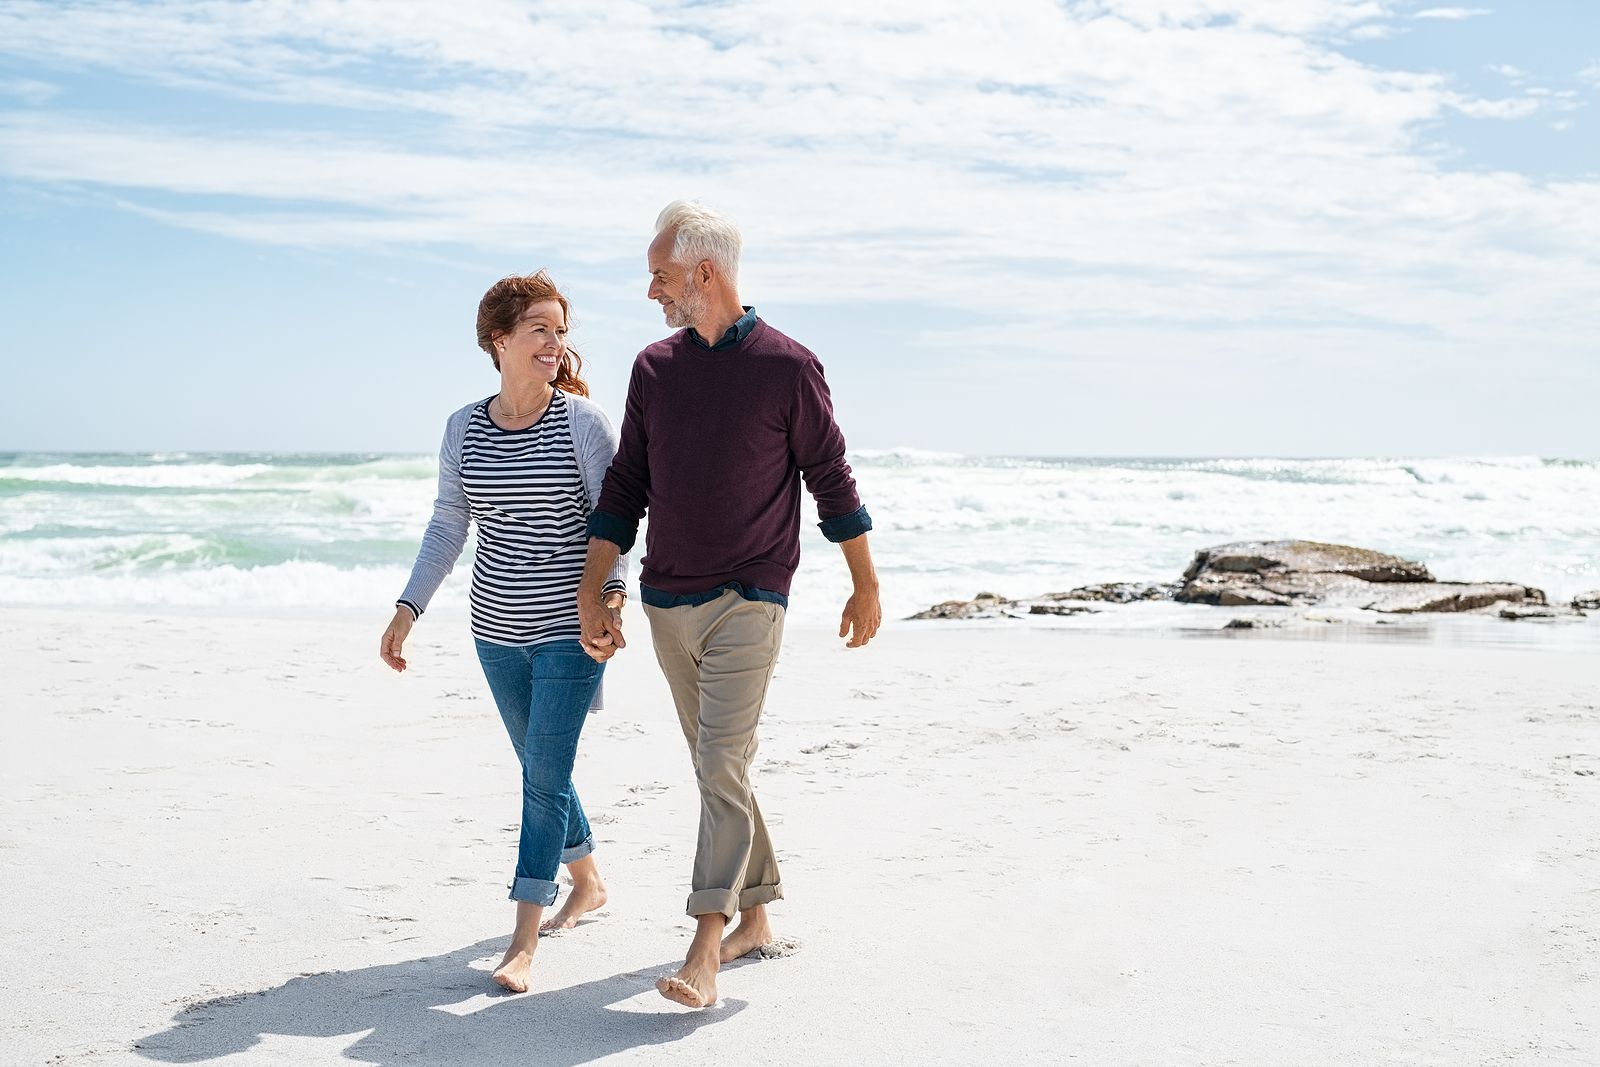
<point x="337" y="533"/>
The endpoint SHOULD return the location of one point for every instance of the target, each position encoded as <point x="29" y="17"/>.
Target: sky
<point x="1091" y="227"/>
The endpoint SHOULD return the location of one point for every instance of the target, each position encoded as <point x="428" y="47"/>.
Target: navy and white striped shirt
<point x="528" y="500"/>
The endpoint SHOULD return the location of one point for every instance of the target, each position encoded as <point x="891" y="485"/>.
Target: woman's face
<point x="538" y="342"/>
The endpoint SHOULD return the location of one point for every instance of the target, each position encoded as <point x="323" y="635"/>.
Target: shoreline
<point x="1162" y="621"/>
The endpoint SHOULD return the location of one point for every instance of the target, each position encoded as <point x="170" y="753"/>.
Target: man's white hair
<point x="701" y="233"/>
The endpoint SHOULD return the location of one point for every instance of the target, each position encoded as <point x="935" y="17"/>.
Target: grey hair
<point x="702" y="233"/>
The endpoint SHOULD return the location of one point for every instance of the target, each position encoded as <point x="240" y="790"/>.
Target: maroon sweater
<point x="715" y="443"/>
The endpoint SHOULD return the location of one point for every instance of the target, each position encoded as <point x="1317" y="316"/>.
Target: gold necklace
<point x="501" y="404"/>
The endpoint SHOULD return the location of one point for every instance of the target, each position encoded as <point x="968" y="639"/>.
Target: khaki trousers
<point x="718" y="658"/>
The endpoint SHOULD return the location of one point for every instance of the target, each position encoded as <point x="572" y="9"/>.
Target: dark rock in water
<point x="982" y="606"/>
<point x="1117" y="592"/>
<point x="1530" y="611"/>
<point x="1250" y="624"/>
<point x="1283" y="573"/>
<point x="1589" y="601"/>
<point x="1062" y="609"/>
<point x="1304" y="557"/>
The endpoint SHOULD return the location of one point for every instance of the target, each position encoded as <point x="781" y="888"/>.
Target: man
<point x="723" y="421"/>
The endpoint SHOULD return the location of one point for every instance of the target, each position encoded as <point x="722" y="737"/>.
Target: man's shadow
<point x="407" y="1008"/>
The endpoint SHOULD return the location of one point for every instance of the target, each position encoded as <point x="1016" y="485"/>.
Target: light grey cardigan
<point x="594" y="441"/>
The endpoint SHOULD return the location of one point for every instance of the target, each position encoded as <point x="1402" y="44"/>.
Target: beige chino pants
<point x="718" y="658"/>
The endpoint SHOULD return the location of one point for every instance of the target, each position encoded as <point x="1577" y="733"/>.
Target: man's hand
<point x="861" y="618"/>
<point x="394" y="638"/>
<point x="601" y="625"/>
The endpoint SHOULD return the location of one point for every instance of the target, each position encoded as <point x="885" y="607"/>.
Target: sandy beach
<point x="242" y="840"/>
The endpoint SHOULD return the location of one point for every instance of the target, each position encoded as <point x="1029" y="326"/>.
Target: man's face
<point x="672" y="285"/>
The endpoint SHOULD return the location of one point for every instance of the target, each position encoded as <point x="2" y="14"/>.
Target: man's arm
<point x="818" y="448"/>
<point x="862" y="613"/>
<point x="613" y="526"/>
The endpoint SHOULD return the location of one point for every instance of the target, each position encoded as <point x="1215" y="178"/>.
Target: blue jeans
<point x="543" y="692"/>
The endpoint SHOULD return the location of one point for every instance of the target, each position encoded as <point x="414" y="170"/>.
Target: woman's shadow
<point x="409" y="1009"/>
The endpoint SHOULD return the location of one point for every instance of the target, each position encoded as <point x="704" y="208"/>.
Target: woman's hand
<point x="395" y="637"/>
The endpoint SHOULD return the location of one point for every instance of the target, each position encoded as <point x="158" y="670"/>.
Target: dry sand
<point x="231" y="841"/>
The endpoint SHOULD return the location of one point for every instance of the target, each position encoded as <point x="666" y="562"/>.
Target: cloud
<point x="1130" y="171"/>
<point x="1452" y="13"/>
<point x="29" y="90"/>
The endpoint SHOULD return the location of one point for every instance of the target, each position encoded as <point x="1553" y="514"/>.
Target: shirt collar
<point x="733" y="334"/>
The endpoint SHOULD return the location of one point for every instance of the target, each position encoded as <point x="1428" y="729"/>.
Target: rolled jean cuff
<point x="578" y="851"/>
<point x="534" y="891"/>
<point x="729" y="903"/>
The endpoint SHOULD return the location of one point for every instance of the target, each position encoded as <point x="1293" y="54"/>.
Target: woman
<point x="526" y="465"/>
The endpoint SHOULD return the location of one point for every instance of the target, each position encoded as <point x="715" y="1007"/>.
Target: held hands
<point x="601" y="625"/>
<point x="861" y="618"/>
<point x="395" y="637"/>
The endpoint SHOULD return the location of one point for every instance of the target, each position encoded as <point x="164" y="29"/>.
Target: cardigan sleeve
<point x="446" y="534"/>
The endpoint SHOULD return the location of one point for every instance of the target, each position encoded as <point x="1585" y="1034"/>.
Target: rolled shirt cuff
<point x="609" y="527"/>
<point x="615" y="585"/>
<point x="844" y="527"/>
<point x="416" y="612"/>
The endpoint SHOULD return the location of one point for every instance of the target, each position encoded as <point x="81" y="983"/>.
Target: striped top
<point x="528" y="500"/>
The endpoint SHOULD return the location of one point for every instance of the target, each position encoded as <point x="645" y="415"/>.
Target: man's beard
<point x="687" y="308"/>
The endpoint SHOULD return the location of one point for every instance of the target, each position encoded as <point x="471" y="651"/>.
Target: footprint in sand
<point x="774" y="950"/>
<point x="837" y="747"/>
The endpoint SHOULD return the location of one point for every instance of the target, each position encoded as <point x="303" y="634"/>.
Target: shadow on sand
<point x="411" y="1010"/>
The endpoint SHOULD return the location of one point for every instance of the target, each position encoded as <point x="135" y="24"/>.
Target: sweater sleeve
<point x="817" y="444"/>
<point x="596" y="449"/>
<point x="626" y="491"/>
<point x="446" y="535"/>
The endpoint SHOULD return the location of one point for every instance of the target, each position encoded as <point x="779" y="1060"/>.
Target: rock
<point x="1250" y="624"/>
<point x="1280" y="573"/>
<point x="1409" y="598"/>
<point x="1589" y="601"/>
<point x="1062" y="609"/>
<point x="982" y="606"/>
<point x="1530" y="611"/>
<point x="1117" y="592"/>
<point x="1305" y="557"/>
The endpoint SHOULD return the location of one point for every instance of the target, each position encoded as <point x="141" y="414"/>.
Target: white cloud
<point x="1506" y="70"/>
<point x="29" y="90"/>
<point x="1132" y="171"/>
<point x="1452" y="13"/>
<point x="1591" y="73"/>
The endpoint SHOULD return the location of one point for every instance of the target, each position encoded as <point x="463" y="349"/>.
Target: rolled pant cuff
<point x="578" y="851"/>
<point x="729" y="903"/>
<point x="760" y="894"/>
<point x="534" y="891"/>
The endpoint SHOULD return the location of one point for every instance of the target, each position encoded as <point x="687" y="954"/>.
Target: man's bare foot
<point x="513" y="970"/>
<point x="695" y="986"/>
<point x="752" y="932"/>
<point x="584" y="898"/>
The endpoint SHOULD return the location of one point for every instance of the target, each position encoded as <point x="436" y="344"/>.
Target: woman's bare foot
<point x="513" y="970"/>
<point x="695" y="986"/>
<point x="752" y="932"/>
<point x="585" y="897"/>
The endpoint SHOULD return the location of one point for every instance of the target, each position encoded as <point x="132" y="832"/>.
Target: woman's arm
<point x="442" y="543"/>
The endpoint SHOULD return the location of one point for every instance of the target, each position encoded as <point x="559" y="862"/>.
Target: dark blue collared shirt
<point x="732" y="335"/>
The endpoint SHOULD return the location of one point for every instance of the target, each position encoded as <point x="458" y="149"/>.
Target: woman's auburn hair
<point x="501" y="310"/>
